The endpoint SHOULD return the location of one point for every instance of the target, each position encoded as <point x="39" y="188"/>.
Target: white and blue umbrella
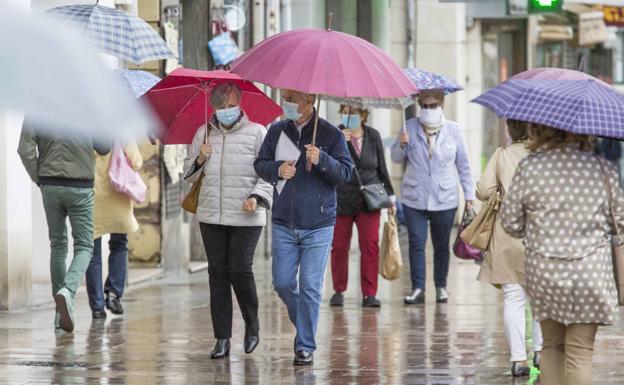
<point x="116" y="32"/>
<point x="139" y="82"/>
<point x="425" y="80"/>
<point x="73" y="93"/>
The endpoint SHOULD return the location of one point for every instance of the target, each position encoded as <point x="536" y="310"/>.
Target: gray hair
<point x="221" y="93"/>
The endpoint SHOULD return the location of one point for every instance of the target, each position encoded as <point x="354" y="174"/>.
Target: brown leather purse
<point x="191" y="200"/>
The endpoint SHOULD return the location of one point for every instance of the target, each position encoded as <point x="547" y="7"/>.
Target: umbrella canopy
<point x="324" y="62"/>
<point x="548" y="73"/>
<point x="579" y="106"/>
<point x="181" y="101"/>
<point x="426" y="80"/>
<point x="388" y="103"/>
<point x="138" y="82"/>
<point x="73" y="93"/>
<point x="116" y="32"/>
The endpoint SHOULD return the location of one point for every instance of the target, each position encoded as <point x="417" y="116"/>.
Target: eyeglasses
<point x="430" y="106"/>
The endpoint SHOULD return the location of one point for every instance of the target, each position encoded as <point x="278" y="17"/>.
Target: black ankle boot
<point x="221" y="349"/>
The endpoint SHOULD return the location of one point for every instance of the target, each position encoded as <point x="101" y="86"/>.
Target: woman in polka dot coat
<point x="558" y="203"/>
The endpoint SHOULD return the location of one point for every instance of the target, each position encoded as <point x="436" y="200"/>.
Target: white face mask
<point x="431" y="117"/>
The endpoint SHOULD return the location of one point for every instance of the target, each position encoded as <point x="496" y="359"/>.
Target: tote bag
<point x="390" y="262"/>
<point x="123" y="178"/>
<point x="479" y="232"/>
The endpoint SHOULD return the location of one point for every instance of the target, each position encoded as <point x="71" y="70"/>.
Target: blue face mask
<point x="291" y="111"/>
<point x="228" y="116"/>
<point x="351" y="121"/>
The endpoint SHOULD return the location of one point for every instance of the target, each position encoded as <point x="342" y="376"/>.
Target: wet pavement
<point x="165" y="337"/>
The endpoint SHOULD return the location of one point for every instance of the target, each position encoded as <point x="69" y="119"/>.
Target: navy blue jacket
<point x="308" y="200"/>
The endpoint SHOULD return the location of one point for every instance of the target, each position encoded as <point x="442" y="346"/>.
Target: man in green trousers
<point x="62" y="165"/>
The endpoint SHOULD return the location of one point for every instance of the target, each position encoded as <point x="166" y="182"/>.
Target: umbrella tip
<point x="581" y="66"/>
<point x="329" y="21"/>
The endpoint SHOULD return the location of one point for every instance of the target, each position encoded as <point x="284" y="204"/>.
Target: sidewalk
<point x="166" y="337"/>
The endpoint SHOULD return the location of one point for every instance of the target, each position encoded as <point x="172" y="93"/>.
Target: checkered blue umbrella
<point x="116" y="32"/>
<point x="579" y="106"/>
<point x="139" y="82"/>
<point x="425" y="80"/>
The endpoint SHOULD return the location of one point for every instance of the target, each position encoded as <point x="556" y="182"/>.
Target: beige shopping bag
<point x="390" y="262"/>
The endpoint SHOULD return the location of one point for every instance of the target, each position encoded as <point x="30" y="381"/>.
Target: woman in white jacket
<point x="231" y="211"/>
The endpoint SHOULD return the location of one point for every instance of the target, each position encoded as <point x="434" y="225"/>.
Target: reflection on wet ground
<point x="166" y="337"/>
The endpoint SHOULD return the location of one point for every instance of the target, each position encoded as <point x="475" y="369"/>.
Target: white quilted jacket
<point x="229" y="174"/>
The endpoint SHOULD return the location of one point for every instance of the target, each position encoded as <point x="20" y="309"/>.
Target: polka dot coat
<point x="558" y="202"/>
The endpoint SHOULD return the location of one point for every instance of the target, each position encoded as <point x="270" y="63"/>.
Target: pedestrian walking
<point x="231" y="211"/>
<point x="367" y="153"/>
<point x="503" y="265"/>
<point x="435" y="152"/>
<point x="63" y="166"/>
<point x="113" y="213"/>
<point x="304" y="211"/>
<point x="559" y="202"/>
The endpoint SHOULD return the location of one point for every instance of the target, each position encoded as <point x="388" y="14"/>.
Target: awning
<point x="591" y="24"/>
<point x="550" y="32"/>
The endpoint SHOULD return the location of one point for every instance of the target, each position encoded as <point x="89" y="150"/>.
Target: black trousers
<point x="230" y="251"/>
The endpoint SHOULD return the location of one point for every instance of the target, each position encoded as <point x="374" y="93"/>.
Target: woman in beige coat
<point x="503" y="265"/>
<point x="559" y="203"/>
<point x="113" y="213"/>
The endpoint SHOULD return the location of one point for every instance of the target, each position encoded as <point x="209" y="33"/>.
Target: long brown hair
<point x="549" y="138"/>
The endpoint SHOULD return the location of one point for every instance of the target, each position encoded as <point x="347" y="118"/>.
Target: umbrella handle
<point x="318" y="105"/>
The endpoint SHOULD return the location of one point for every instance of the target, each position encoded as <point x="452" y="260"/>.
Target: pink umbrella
<point x="324" y="62"/>
<point x="547" y="73"/>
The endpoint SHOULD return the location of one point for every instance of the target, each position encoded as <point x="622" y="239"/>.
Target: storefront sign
<point x="591" y="28"/>
<point x="517" y="7"/>
<point x="613" y="16"/>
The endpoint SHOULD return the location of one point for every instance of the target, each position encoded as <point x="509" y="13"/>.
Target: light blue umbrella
<point x="116" y="32"/>
<point x="425" y="80"/>
<point x="139" y="82"/>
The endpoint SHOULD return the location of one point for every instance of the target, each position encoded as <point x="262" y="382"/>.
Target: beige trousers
<point x="567" y="353"/>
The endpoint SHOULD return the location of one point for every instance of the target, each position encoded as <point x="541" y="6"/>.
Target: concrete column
<point x="307" y="13"/>
<point x="381" y="119"/>
<point x="258" y="23"/>
<point x="15" y="218"/>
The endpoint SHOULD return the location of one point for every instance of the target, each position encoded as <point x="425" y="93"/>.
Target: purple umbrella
<point x="548" y="73"/>
<point x="580" y="106"/>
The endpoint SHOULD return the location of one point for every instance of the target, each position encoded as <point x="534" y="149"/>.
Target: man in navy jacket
<point x="304" y="210"/>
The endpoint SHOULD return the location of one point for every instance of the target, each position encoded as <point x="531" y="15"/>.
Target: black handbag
<point x="375" y="194"/>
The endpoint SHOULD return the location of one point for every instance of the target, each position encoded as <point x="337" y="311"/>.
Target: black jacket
<point x="371" y="165"/>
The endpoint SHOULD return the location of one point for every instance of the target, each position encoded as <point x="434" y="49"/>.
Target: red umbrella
<point x="181" y="101"/>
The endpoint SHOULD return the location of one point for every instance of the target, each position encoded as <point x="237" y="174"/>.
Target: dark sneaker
<point x="114" y="304"/>
<point x="337" y="300"/>
<point x="371" y="302"/>
<point x="442" y="295"/>
<point x="416" y="298"/>
<point x="99" y="314"/>
<point x="303" y="358"/>
<point x="519" y="370"/>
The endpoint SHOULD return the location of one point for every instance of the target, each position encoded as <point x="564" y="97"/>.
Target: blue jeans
<point x="117" y="270"/>
<point x="299" y="260"/>
<point x="417" y="222"/>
